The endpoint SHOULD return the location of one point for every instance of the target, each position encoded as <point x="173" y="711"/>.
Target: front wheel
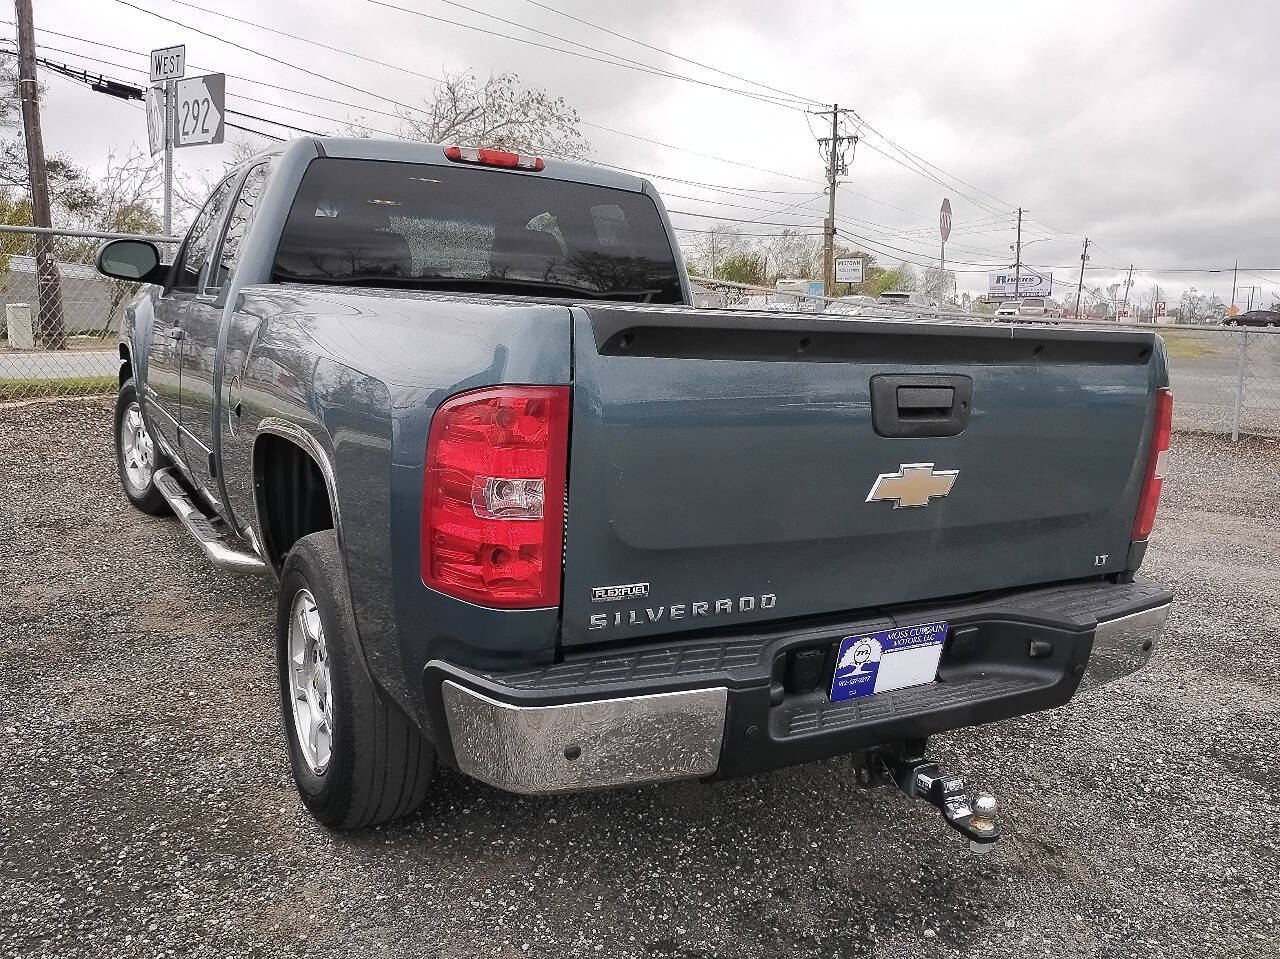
<point x="137" y="458"/>
<point x="357" y="759"/>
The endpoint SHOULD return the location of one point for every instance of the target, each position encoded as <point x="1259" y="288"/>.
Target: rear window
<point x="383" y="223"/>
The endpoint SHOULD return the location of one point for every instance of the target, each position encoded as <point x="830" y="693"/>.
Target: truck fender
<point x="310" y="445"/>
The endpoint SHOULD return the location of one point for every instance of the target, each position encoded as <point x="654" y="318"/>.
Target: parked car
<point x="907" y="302"/>
<point x="1254" y="318"/>
<point x="1008" y="310"/>
<point x="850" y="305"/>
<point x="1033" y="306"/>
<point x="533" y="516"/>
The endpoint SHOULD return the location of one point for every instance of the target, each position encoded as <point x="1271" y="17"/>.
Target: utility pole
<point x="1127" y="283"/>
<point x="833" y="154"/>
<point x="1080" y="289"/>
<point x="1235" y="272"/>
<point x="50" y="324"/>
<point x="1017" y="262"/>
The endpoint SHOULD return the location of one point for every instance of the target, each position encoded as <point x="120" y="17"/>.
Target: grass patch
<point x="25" y="389"/>
<point x="1183" y="346"/>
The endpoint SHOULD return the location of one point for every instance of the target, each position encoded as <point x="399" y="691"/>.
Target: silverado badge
<point x="913" y="485"/>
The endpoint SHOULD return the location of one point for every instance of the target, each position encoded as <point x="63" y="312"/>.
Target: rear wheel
<point x="137" y="457"/>
<point x="357" y="759"/>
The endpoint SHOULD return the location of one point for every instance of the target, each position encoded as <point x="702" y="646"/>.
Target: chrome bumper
<point x="608" y="742"/>
<point x="679" y="735"/>
<point x="1123" y="646"/>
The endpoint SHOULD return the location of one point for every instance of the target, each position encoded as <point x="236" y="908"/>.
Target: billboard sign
<point x="849" y="269"/>
<point x="1031" y="283"/>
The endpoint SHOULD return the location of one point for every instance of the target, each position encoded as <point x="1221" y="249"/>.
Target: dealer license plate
<point x="890" y="659"/>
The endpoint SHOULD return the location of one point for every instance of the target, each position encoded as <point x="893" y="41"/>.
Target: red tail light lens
<point x="1157" y="462"/>
<point x="493" y="496"/>
<point x="488" y="157"/>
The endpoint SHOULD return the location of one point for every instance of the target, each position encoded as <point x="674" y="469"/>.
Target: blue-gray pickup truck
<point x="535" y="517"/>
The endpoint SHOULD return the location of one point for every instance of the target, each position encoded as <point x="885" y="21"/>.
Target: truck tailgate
<point x="721" y="464"/>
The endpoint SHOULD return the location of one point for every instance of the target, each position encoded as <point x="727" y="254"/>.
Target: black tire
<point x="144" y="496"/>
<point x="380" y="765"/>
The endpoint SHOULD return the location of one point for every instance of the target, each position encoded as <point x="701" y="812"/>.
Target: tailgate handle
<point x="916" y="405"/>
<point x="925" y="402"/>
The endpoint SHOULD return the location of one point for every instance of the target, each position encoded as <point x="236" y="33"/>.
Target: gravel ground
<point x="146" y="807"/>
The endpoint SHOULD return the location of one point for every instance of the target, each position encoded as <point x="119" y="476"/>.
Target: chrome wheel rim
<point x="309" y="683"/>
<point x="136" y="449"/>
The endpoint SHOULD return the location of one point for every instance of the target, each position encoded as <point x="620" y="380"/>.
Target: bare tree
<point x="708" y="251"/>
<point x="794" y="255"/>
<point x="500" y="111"/>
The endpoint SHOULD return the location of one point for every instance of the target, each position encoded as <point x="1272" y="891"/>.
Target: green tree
<point x="742" y="268"/>
<point x="901" y="278"/>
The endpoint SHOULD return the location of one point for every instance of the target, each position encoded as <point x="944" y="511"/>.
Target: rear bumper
<point x="728" y="706"/>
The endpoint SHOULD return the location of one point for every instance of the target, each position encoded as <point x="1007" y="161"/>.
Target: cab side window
<point x="192" y="267"/>
<point x="240" y="220"/>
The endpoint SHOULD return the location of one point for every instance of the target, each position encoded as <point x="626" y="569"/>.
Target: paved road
<point x="57" y="365"/>
<point x="146" y="807"/>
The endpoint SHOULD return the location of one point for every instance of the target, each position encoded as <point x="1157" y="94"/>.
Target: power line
<point x="265" y="56"/>
<point x="318" y="116"/>
<point x="689" y="229"/>
<point x="406" y="106"/>
<point x="669" y="53"/>
<point x="308" y="40"/>
<point x="781" y="208"/>
<point x="137" y="106"/>
<point x="230" y="76"/>
<point x="731" y="219"/>
<point x="617" y="61"/>
<point x="741" y="190"/>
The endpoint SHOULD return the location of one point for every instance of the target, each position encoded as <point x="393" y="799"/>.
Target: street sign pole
<point x="944" y="230"/>
<point x="167" y="64"/>
<point x="168" y="158"/>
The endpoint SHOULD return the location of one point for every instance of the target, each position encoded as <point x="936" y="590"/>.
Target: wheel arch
<point x="275" y="441"/>
<point x="126" y="364"/>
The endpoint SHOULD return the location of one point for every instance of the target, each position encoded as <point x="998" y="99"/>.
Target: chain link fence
<point x="58" y="315"/>
<point x="1225" y="379"/>
<point x="58" y="331"/>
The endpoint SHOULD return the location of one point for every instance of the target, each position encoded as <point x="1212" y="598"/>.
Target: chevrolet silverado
<point x="533" y="516"/>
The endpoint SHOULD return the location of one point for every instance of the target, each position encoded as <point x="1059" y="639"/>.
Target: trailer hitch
<point x="973" y="815"/>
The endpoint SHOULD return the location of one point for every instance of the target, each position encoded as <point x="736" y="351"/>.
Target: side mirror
<point x="137" y="260"/>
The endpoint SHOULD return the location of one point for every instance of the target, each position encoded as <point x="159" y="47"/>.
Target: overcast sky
<point x="1151" y="127"/>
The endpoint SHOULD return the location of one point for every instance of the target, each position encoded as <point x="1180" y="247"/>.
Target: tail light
<point x="487" y="157"/>
<point x="493" y="496"/>
<point x="1157" y="461"/>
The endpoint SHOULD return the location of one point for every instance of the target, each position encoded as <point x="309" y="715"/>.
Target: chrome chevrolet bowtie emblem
<point x="913" y="485"/>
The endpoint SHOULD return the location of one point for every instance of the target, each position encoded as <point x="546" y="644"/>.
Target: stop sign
<point x="944" y="220"/>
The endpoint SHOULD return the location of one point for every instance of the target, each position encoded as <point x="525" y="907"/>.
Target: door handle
<point x="921" y="405"/>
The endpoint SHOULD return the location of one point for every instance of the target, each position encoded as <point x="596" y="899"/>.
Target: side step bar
<point x="223" y="547"/>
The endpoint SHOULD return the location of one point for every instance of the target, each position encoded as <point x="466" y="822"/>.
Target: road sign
<point x="944" y="220"/>
<point x="1161" y="308"/>
<point x="155" y="119"/>
<point x="168" y="63"/>
<point x="198" y="110"/>
<point x="849" y="269"/>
